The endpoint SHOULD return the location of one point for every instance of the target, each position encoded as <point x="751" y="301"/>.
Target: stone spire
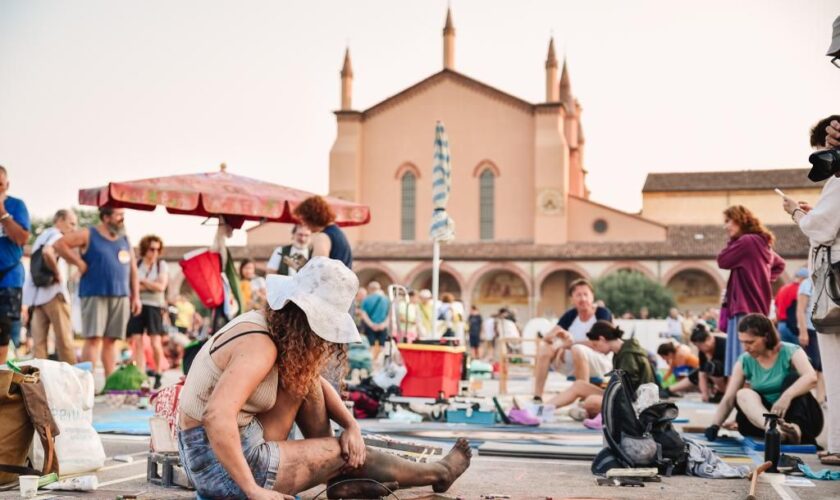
<point x="566" y="89"/>
<point x="346" y="83"/>
<point x="552" y="91"/>
<point x="449" y="42"/>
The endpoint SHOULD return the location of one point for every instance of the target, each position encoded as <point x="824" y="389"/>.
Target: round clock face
<point x="550" y="201"/>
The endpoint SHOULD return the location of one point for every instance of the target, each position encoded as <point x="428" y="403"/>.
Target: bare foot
<point x="790" y="433"/>
<point x="453" y="464"/>
<point x="361" y="488"/>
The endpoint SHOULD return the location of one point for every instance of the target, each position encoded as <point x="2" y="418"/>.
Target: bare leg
<point x="578" y="390"/>
<point x="92" y="349"/>
<point x="157" y="350"/>
<point x="4" y="352"/>
<point x="139" y="353"/>
<point x="109" y="355"/>
<point x="592" y="405"/>
<point x="309" y="413"/>
<point x="750" y="403"/>
<point x="545" y="353"/>
<point x="310" y="462"/>
<point x="580" y="363"/>
<point x="720" y="384"/>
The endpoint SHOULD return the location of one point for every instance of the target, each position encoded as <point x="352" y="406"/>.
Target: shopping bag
<point x="24" y="414"/>
<point x="202" y="269"/>
<point x="69" y="392"/>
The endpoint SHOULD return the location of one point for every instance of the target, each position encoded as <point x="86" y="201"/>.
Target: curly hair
<point x="147" y="241"/>
<point x="301" y="354"/>
<point x="748" y="222"/>
<point x="315" y="212"/>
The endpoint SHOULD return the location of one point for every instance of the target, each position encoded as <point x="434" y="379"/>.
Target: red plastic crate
<point x="431" y="369"/>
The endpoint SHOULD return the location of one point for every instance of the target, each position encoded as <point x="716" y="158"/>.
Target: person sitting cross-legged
<point x="566" y="346"/>
<point x="780" y="378"/>
<point x="260" y="374"/>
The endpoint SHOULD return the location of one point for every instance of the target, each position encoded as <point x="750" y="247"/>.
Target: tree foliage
<point x="86" y="217"/>
<point x="626" y="290"/>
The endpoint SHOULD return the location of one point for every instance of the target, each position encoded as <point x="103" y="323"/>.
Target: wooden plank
<point x="496" y="449"/>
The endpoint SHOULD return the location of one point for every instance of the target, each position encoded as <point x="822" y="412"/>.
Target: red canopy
<point x="217" y="193"/>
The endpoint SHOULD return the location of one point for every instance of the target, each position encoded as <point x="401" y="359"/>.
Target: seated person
<point x="681" y="361"/>
<point x="566" y="344"/>
<point x="780" y="378"/>
<point x="628" y="355"/>
<point x="260" y="374"/>
<point x="708" y="378"/>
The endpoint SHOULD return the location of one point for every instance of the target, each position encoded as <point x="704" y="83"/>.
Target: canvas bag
<point x="69" y="393"/>
<point x="24" y="413"/>
<point x="825" y="312"/>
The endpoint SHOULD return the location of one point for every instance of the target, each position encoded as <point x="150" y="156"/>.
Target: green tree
<point x="630" y="291"/>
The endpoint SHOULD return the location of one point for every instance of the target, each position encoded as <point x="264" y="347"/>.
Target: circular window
<point x="600" y="226"/>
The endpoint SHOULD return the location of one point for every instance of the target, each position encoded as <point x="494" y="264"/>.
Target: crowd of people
<point x="756" y="354"/>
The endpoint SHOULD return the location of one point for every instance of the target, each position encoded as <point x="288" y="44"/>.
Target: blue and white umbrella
<point x="442" y="227"/>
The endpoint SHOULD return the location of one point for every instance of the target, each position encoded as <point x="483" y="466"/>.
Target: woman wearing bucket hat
<point x="260" y="374"/>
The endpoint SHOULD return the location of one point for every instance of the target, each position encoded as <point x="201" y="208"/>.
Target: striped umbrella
<point x="442" y="227"/>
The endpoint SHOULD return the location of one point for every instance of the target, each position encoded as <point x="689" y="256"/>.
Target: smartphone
<point x="780" y="193"/>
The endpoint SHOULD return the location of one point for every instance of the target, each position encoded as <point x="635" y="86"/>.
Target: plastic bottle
<point x="772" y="442"/>
<point x="81" y="483"/>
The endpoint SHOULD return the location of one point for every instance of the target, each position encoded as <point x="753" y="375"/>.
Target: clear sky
<point x="92" y="91"/>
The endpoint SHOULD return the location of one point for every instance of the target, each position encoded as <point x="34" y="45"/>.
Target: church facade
<point x="525" y="226"/>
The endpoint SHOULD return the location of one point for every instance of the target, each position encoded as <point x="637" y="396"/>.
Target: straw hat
<point x="324" y="289"/>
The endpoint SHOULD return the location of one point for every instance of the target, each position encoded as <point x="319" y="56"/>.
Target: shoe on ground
<point x="577" y="413"/>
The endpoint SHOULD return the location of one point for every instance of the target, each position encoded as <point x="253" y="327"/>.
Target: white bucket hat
<point x="324" y="289"/>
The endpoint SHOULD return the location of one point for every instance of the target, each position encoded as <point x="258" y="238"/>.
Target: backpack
<point x="647" y="440"/>
<point x="41" y="274"/>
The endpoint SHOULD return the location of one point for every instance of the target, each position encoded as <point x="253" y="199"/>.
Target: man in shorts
<point x="14" y="233"/>
<point x="566" y="346"/>
<point x="109" y="287"/>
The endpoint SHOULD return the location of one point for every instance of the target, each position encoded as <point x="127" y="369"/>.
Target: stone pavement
<point x="517" y="478"/>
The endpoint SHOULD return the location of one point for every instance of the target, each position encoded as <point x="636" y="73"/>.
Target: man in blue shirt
<point x="375" y="310"/>
<point x="14" y="233"/>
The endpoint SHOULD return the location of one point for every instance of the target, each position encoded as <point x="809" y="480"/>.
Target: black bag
<point x="42" y="275"/>
<point x="647" y="440"/>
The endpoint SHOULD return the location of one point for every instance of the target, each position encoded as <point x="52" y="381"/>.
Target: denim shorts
<point x="205" y="471"/>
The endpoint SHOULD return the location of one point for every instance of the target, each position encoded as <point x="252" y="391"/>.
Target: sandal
<point x="790" y="433"/>
<point x="830" y="459"/>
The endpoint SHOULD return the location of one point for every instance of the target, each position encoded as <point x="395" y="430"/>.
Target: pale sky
<point x="92" y="91"/>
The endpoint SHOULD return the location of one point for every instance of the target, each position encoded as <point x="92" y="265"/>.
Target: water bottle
<point x="772" y="442"/>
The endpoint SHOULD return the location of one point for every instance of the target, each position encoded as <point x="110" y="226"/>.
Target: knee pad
<point x="5" y="331"/>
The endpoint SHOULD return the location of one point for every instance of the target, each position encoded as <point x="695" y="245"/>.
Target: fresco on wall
<point x="502" y="287"/>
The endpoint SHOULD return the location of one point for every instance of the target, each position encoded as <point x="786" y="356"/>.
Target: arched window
<point x="408" y="213"/>
<point x="487" y="199"/>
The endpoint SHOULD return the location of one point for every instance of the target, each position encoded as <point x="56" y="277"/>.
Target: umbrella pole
<point x="435" y="278"/>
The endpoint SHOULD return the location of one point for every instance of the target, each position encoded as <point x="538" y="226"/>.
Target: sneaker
<point x="594" y="423"/>
<point x="577" y="413"/>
